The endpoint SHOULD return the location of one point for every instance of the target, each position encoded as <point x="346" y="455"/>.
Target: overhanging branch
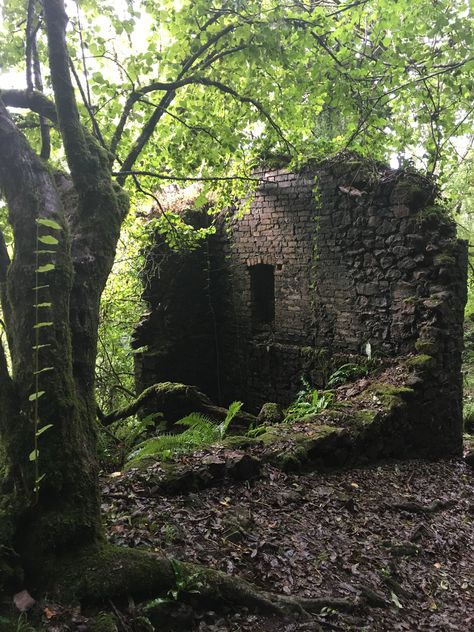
<point x="164" y="176"/>
<point x="35" y="101"/>
<point x="150" y="126"/>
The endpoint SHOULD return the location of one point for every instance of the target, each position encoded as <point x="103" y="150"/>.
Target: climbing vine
<point x="46" y="244"/>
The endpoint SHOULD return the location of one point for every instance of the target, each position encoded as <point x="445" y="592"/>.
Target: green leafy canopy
<point x="213" y="87"/>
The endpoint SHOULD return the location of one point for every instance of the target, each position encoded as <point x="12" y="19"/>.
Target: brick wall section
<point x="361" y="255"/>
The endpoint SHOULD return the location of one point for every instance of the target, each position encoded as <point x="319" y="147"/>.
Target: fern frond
<point x="195" y="420"/>
<point x="231" y="413"/>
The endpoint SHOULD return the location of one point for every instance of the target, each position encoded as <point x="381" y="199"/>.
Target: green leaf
<point x="33" y="456"/>
<point x="34" y="396"/>
<point x="50" y="223"/>
<point x="200" y="201"/>
<point x="46" y="268"/>
<point x="48" y="239"/>
<point x="46" y="368"/>
<point x="40" y="325"/>
<point x="40" y="431"/>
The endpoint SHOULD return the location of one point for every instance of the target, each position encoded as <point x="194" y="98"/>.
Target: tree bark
<point x="65" y="510"/>
<point x="61" y="512"/>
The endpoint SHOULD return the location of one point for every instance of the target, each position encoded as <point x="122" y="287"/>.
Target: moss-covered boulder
<point x="270" y="413"/>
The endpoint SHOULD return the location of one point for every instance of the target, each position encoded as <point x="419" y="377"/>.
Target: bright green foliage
<point x="200" y="431"/>
<point x="121" y="308"/>
<point x="244" y="79"/>
<point x="460" y="192"/>
<point x="308" y="401"/>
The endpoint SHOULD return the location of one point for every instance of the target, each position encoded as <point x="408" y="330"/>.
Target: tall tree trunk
<point x="60" y="511"/>
<point x="65" y="509"/>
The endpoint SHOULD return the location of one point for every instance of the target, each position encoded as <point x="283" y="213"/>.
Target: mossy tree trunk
<point x="64" y="513"/>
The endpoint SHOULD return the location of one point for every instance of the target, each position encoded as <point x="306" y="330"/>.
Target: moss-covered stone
<point x="269" y="436"/>
<point x="240" y="441"/>
<point x="363" y="418"/>
<point x="444" y="260"/>
<point x="390" y="396"/>
<point x="319" y="449"/>
<point x="426" y="346"/>
<point x="420" y="362"/>
<point x="434" y="211"/>
<point x="412" y="300"/>
<point x="271" y="413"/>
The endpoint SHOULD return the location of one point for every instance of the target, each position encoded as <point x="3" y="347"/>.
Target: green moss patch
<point x="422" y="362"/>
<point x="390" y="395"/>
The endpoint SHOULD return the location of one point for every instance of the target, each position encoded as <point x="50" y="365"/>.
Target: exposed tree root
<point x="175" y="401"/>
<point x="418" y="508"/>
<point x="109" y="572"/>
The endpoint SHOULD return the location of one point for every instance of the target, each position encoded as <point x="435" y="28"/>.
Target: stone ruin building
<point x="341" y="259"/>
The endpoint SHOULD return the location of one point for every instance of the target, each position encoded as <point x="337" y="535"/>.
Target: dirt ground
<point x="396" y="539"/>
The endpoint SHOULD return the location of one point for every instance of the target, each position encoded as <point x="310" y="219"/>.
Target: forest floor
<point x="397" y="539"/>
<point x="393" y="540"/>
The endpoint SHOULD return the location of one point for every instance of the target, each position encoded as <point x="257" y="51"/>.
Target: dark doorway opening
<point x="262" y="288"/>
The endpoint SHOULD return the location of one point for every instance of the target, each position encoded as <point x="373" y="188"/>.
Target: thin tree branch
<point x="189" y="62"/>
<point x="211" y="59"/>
<point x="145" y="135"/>
<point x="457" y="126"/>
<point x="179" y="236"/>
<point x="87" y="105"/>
<point x="29" y="39"/>
<point x="193" y="128"/>
<point x="323" y="44"/>
<point x="243" y="99"/>
<point x="118" y="132"/>
<point x="84" y="65"/>
<point x="347" y="7"/>
<point x="112" y="368"/>
<point x="44" y="127"/>
<point x="163" y="176"/>
<point x="444" y="70"/>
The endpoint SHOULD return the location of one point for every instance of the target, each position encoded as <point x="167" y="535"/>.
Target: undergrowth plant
<point x="200" y="431"/>
<point x="309" y="401"/>
<point x="346" y="373"/>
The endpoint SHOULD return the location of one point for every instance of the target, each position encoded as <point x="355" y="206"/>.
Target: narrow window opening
<point x="262" y="288"/>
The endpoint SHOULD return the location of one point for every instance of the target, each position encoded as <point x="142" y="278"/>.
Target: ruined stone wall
<point x="358" y="254"/>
